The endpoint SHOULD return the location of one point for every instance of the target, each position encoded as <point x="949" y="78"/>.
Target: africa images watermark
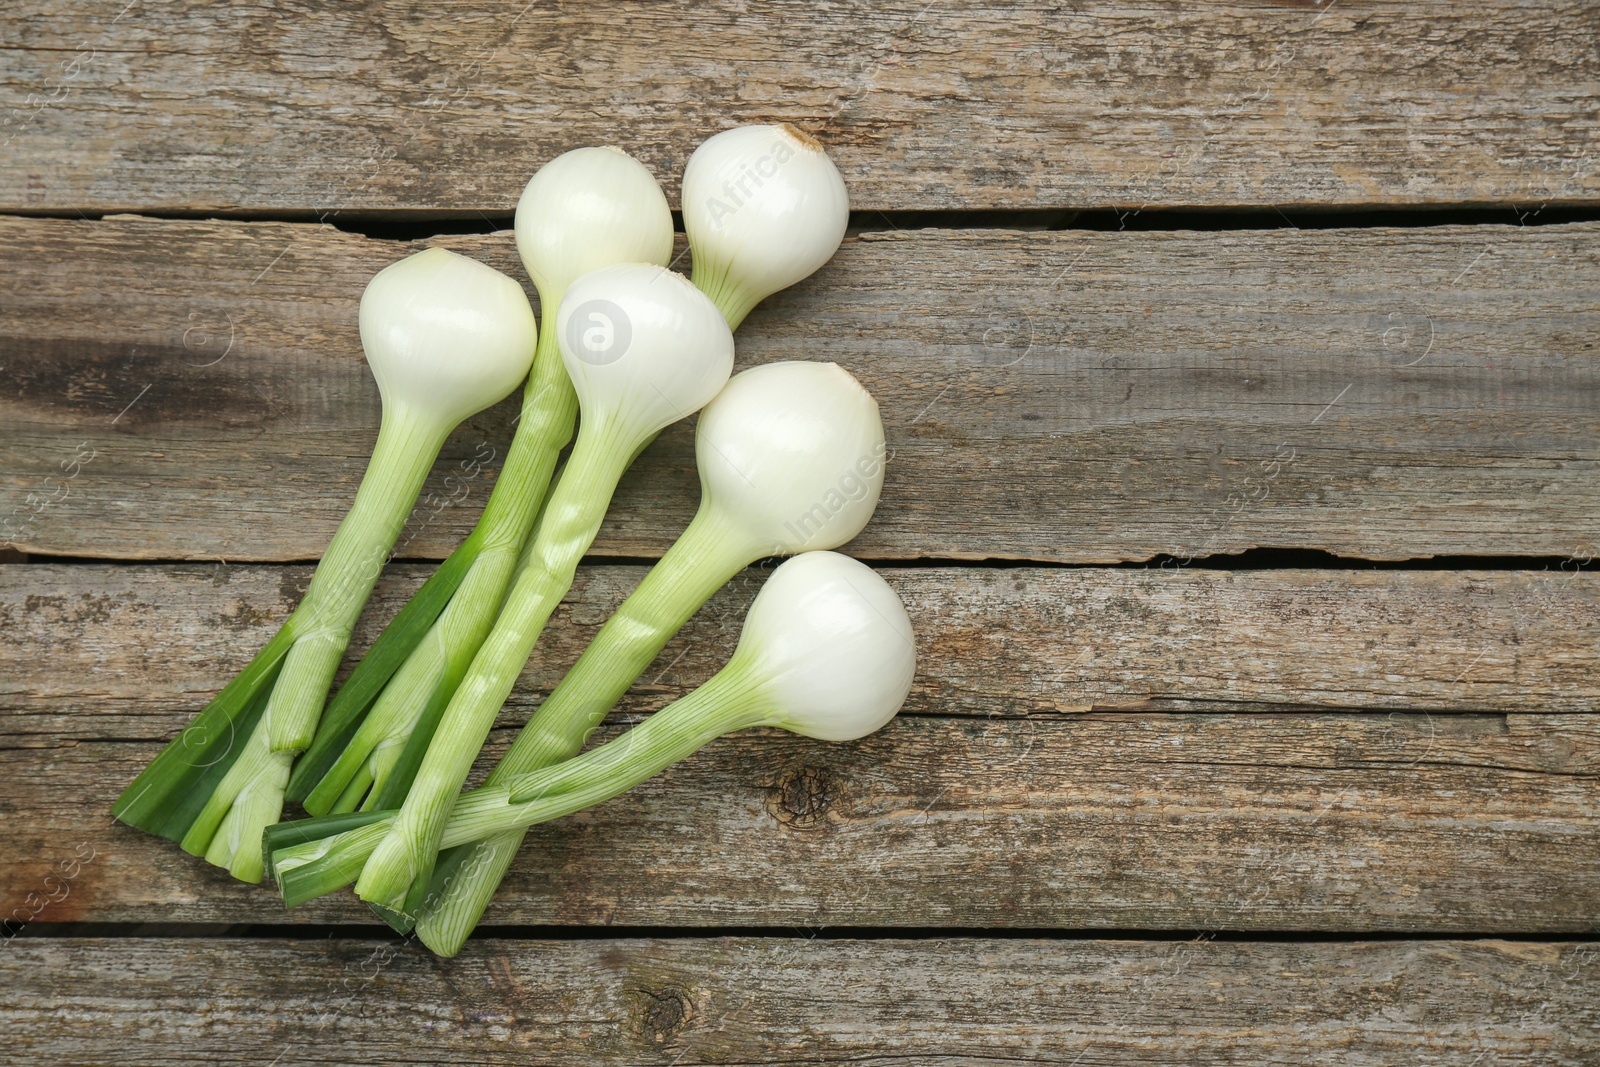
<point x="853" y="485"/>
<point x="35" y="503"/>
<point x="598" y="332"/>
<point x="740" y="189"/>
<point x="57" y="886"/>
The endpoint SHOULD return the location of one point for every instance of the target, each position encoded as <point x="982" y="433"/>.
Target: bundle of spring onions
<point x="791" y="459"/>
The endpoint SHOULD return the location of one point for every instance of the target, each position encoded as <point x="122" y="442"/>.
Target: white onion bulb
<point x="586" y="209"/>
<point x="832" y="645"/>
<point x="644" y="347"/>
<point x="764" y="207"/>
<point x="445" y="335"/>
<point x="791" y="456"/>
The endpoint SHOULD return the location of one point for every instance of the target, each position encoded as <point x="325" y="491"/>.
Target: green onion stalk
<point x="827" y="651"/>
<point x="588" y="208"/>
<point x="445" y="337"/>
<point x="644" y="348"/>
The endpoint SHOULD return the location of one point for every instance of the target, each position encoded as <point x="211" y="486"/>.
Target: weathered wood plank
<point x="318" y="108"/>
<point x="1355" y="822"/>
<point x="195" y="390"/>
<point x="147" y="645"/>
<point x="1477" y="819"/>
<point x="779" y="1001"/>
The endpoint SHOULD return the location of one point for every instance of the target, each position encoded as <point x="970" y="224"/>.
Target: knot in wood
<point x="663" y="1014"/>
<point x="802" y="797"/>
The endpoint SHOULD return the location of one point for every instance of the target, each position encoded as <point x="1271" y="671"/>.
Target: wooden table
<point x="1239" y="365"/>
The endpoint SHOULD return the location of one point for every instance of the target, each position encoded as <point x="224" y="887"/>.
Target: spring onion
<point x="643" y="348"/>
<point x="827" y="652"/>
<point x="764" y="207"/>
<point x="445" y="337"/>
<point x="791" y="460"/>
<point x="588" y="208"/>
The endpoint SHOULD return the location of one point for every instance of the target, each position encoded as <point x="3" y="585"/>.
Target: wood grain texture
<point x="1333" y="752"/>
<point x="144" y="646"/>
<point x="978" y="807"/>
<point x="289" y="105"/>
<point x="1338" y="823"/>
<point x="195" y="390"/>
<point x="787" y="1001"/>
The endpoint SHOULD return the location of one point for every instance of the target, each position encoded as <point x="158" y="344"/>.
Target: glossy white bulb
<point x="586" y="209"/>
<point x="445" y="335"/>
<point x="833" y="646"/>
<point x="791" y="456"/>
<point x="764" y="207"/>
<point x="643" y="347"/>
